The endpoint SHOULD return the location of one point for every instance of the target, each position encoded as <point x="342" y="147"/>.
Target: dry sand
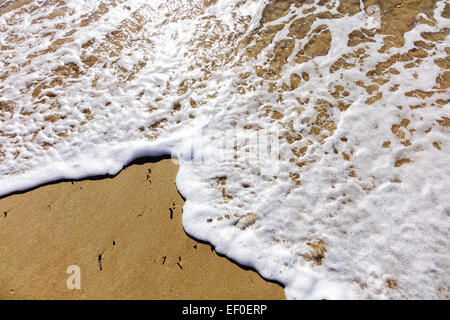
<point x="126" y="219"/>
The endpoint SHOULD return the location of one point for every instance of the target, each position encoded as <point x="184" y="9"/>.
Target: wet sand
<point x="125" y="235"/>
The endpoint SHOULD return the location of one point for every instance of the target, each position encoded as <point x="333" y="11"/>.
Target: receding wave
<point x="313" y="136"/>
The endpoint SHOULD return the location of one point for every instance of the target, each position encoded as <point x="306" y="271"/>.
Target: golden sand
<point x="126" y="236"/>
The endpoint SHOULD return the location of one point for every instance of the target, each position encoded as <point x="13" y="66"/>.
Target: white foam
<point x="375" y="229"/>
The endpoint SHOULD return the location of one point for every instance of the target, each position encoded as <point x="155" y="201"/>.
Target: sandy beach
<point x="125" y="235"/>
<point x="313" y="140"/>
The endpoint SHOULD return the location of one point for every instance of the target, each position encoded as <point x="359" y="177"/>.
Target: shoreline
<point x="125" y="235"/>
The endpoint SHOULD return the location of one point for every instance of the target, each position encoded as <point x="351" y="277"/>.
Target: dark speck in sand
<point x="5" y="214"/>
<point x="171" y="213"/>
<point x="164" y="260"/>
<point x="100" y="261"/>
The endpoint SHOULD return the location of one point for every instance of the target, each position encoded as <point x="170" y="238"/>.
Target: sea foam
<point x="355" y="202"/>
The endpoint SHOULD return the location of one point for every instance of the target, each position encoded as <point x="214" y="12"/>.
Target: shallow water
<point x="312" y="136"/>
